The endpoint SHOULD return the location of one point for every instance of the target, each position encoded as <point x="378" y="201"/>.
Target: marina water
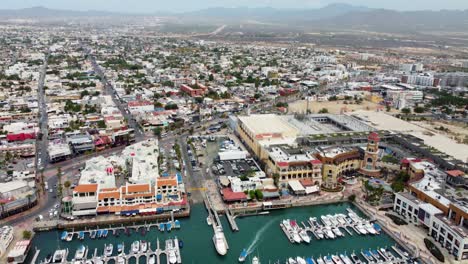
<point x="260" y="235"/>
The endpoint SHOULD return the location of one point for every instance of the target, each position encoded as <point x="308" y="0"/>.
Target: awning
<point x="312" y="189"/>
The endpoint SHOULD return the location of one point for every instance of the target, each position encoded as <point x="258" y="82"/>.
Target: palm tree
<point x="59" y="175"/>
<point x="29" y="196"/>
<point x="67" y="185"/>
<point x="2" y="205"/>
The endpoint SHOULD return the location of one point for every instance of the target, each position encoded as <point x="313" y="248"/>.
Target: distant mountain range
<point x="334" y="16"/>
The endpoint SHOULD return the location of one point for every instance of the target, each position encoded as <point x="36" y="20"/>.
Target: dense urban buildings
<point x="128" y="125"/>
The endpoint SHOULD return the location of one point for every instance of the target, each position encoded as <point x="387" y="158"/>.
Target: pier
<point x="121" y="230"/>
<point x="231" y="220"/>
<point x="171" y="248"/>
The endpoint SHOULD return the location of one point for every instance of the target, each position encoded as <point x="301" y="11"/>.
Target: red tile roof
<point x="455" y="173"/>
<point x="86" y="188"/>
<point x="230" y="196"/>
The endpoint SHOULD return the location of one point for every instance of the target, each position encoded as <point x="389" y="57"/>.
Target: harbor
<point x="259" y="235"/>
<point x="328" y="227"/>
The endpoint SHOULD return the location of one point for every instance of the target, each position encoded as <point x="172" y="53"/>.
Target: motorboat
<point x="320" y="233"/>
<point x="208" y="220"/>
<point x="108" y="250"/>
<point x="325" y="220"/>
<point x="172" y="257"/>
<point x="355" y="258"/>
<point x="341" y="219"/>
<point x="243" y="255"/>
<point x="152" y="260"/>
<point x="320" y="261"/>
<point x="143" y="246"/>
<point x="329" y="233"/>
<point x="300" y="260"/>
<point x="310" y="261"/>
<point x="336" y="259"/>
<point x="81" y="235"/>
<point x="304" y="236"/>
<point x="292" y="261"/>
<point x="333" y="220"/>
<point x="168" y="226"/>
<point x="120" y="248"/>
<point x="99" y="233"/>
<point x="296" y="237"/>
<point x="64" y="235"/>
<point x="346" y="259"/>
<point x="136" y="246"/>
<point x="337" y="232"/>
<point x="80" y="253"/>
<point x="370" y="229"/>
<point x="59" y="255"/>
<point x="161" y="227"/>
<point x="104" y="233"/>
<point x="177" y="224"/>
<point x="48" y="259"/>
<point x="328" y="260"/>
<point x="362" y="229"/>
<point x="220" y="241"/>
<point x="69" y="237"/>
<point x="255" y="260"/>
<point x="386" y="253"/>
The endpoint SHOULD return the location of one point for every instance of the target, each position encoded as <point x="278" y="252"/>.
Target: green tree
<point x="259" y="194"/>
<point x="252" y="194"/>
<point x="406" y="111"/>
<point x="27" y="234"/>
<point x="157" y="132"/>
<point x="101" y="124"/>
<point x="323" y="111"/>
<point x="352" y="197"/>
<point x="419" y="109"/>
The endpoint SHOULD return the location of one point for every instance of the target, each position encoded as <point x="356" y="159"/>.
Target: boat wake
<point x="258" y="235"/>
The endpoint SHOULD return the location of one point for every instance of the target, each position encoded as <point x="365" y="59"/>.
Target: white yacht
<point x="292" y="261"/>
<point x="59" y="255"/>
<point x="304" y="236"/>
<point x="337" y="232"/>
<point x="143" y="246"/>
<point x="220" y="241"/>
<point x="329" y="233"/>
<point x="135" y="247"/>
<point x="80" y="253"/>
<point x="108" y="250"/>
<point x="300" y="260"/>
<point x="362" y="229"/>
<point x="255" y="260"/>
<point x="172" y="257"/>
<point x="370" y="229"/>
<point x="152" y="260"/>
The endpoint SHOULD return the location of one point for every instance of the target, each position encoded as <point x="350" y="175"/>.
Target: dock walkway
<point x="171" y="245"/>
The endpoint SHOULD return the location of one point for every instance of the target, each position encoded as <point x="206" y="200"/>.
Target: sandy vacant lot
<point x="455" y="131"/>
<point x="334" y="107"/>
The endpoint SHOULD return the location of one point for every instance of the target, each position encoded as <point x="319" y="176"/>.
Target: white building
<point x="6" y="236"/>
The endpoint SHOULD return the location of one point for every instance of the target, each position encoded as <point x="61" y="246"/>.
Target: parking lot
<point x="235" y="168"/>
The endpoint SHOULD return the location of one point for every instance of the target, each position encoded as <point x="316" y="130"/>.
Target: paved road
<point x="109" y="90"/>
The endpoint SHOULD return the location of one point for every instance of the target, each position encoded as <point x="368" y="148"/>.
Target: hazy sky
<point x="148" y="6"/>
